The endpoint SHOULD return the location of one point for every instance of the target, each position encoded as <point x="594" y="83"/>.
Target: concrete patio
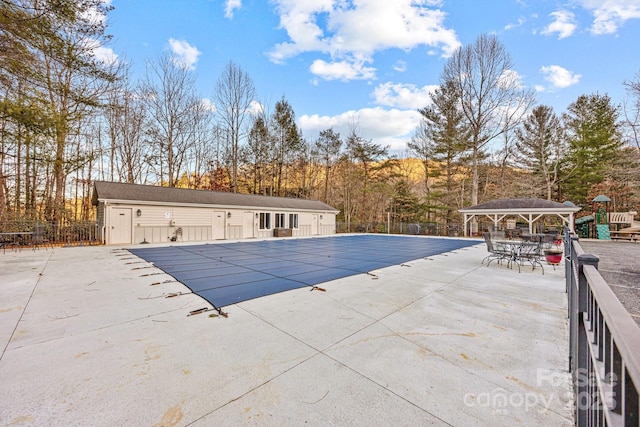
<point x="89" y="336"/>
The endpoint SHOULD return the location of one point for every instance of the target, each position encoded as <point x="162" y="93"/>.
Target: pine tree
<point x="540" y="147"/>
<point x="594" y="137"/>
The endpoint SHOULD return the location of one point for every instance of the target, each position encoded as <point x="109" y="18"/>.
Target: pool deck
<point x="92" y="336"/>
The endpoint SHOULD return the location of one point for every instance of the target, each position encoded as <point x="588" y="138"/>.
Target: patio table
<point x="520" y="250"/>
<point x="14" y="238"/>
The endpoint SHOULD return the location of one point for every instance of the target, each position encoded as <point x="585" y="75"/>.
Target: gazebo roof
<point x="529" y="209"/>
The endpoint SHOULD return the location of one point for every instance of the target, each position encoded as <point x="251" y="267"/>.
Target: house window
<point x="265" y="220"/>
<point x="293" y="220"/>
<point x="279" y="220"/>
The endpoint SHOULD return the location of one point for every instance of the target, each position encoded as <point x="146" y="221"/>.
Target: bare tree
<point x="202" y="150"/>
<point x="126" y="119"/>
<point x="490" y="94"/>
<point x="631" y="110"/>
<point x="422" y="145"/>
<point x="172" y="104"/>
<point x="233" y="96"/>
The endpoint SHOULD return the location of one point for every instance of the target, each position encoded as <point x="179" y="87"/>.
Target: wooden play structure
<point x="631" y="229"/>
<point x="605" y="225"/>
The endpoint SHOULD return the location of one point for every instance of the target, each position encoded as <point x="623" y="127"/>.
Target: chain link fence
<point x="411" y="228"/>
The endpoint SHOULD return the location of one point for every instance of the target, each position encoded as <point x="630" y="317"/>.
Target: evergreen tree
<point x="594" y="137"/>
<point x="48" y="61"/>
<point x="256" y="153"/>
<point x="406" y="205"/>
<point x="288" y="143"/>
<point x="539" y="148"/>
<point x="327" y="148"/>
<point x="441" y="139"/>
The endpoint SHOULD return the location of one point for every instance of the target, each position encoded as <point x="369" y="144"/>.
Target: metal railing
<point x="58" y="233"/>
<point x="604" y="345"/>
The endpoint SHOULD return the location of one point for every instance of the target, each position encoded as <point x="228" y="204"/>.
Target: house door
<point x="314" y="225"/>
<point x="120" y="226"/>
<point x="247" y="225"/>
<point x="218" y="225"/>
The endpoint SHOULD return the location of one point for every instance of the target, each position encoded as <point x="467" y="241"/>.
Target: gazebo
<point x="528" y="209"/>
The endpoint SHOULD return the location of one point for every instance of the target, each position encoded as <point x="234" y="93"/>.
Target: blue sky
<point x="373" y="62"/>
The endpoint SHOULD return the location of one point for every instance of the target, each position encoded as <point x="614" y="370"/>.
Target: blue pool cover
<point x="228" y="273"/>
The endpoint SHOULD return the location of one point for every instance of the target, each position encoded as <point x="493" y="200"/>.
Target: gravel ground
<point x="620" y="267"/>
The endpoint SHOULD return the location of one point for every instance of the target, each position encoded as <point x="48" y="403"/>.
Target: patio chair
<point x="39" y="237"/>
<point x="497" y="235"/>
<point x="496" y="252"/>
<point x="530" y="253"/>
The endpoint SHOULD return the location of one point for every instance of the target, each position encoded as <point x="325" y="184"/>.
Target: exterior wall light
<point x="138" y="212"/>
<point x="228" y="214"/>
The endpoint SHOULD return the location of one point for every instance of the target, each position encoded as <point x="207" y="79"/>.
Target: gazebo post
<point x="466" y="221"/>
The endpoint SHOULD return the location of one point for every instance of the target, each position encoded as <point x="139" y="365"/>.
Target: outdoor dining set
<point x="528" y="249"/>
<point x="16" y="240"/>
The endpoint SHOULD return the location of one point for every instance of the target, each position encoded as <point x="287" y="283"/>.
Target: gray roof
<point x="150" y="193"/>
<point x="520" y="204"/>
<point x="602" y="198"/>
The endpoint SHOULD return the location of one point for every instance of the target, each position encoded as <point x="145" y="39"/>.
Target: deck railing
<point x="604" y="345"/>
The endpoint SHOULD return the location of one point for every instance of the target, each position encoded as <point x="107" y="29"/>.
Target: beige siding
<point x="154" y="216"/>
<point x="158" y="224"/>
<point x="192" y="216"/>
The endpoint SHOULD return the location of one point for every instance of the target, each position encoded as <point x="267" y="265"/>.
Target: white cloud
<point x="102" y="53"/>
<point x="230" y="6"/>
<point x="95" y="14"/>
<point x="559" y="77"/>
<point x="105" y="55"/>
<point x="184" y="54"/>
<point x="384" y="127"/>
<point x="256" y="108"/>
<point x="510" y="79"/>
<point x="513" y="25"/>
<point x="609" y="15"/>
<point x="403" y="95"/>
<point x="341" y="70"/>
<point x="349" y="31"/>
<point x="208" y="105"/>
<point x="564" y="24"/>
<point x="400" y="66"/>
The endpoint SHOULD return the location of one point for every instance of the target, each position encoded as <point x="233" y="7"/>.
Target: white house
<point x="131" y="213"/>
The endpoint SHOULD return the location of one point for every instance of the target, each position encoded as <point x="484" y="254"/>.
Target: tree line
<point x="69" y="117"/>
